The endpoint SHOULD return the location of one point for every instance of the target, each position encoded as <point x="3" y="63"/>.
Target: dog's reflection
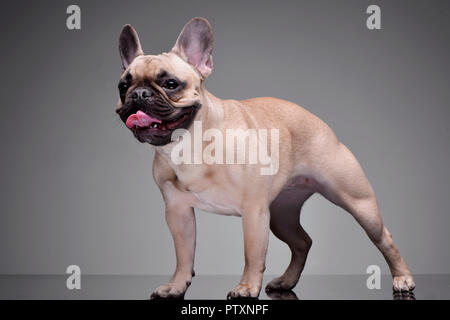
<point x="404" y="295"/>
<point x="290" y="295"/>
<point x="282" y="295"/>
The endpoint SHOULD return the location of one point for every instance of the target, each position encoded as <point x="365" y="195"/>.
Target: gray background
<point x="76" y="188"/>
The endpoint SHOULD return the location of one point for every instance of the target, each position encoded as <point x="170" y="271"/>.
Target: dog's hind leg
<point x="285" y="225"/>
<point x="347" y="186"/>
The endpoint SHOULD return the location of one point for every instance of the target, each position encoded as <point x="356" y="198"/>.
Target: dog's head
<point x="161" y="93"/>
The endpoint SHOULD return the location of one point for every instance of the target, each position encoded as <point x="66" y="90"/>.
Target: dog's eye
<point x="123" y="87"/>
<point x="171" y="84"/>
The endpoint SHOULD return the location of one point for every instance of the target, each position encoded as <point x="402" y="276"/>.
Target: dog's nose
<point x="141" y="94"/>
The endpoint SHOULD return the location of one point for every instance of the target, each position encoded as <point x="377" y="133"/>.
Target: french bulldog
<point x="160" y="95"/>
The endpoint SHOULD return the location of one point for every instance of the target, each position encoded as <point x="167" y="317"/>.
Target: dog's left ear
<point x="129" y="45"/>
<point x="195" y="45"/>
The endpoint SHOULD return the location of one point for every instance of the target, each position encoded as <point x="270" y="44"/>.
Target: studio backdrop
<point x="77" y="188"/>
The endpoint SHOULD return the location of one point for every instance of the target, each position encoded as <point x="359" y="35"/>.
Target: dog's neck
<point x="213" y="113"/>
<point x="210" y="114"/>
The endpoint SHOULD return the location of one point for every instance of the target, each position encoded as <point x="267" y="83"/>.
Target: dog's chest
<point x="208" y="193"/>
<point x="215" y="200"/>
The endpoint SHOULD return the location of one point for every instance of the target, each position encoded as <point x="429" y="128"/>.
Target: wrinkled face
<point x="161" y="93"/>
<point x="158" y="94"/>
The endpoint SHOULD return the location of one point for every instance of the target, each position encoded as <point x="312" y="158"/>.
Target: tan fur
<point x="311" y="160"/>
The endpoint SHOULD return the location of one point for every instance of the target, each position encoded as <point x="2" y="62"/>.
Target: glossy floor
<point x="213" y="287"/>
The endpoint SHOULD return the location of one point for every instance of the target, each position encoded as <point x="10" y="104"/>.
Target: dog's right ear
<point x="195" y="45"/>
<point x="129" y="45"/>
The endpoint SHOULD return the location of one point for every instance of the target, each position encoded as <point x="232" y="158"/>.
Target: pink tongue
<point x="140" y="119"/>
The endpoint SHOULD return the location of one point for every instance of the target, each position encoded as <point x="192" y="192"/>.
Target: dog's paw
<point x="244" y="291"/>
<point x="403" y="283"/>
<point x="280" y="284"/>
<point x="170" y="291"/>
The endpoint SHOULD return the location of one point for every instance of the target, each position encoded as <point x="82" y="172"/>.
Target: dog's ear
<point x="129" y="45"/>
<point x="195" y="45"/>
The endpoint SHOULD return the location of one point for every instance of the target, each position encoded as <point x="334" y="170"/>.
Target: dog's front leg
<point x="181" y="221"/>
<point x="256" y="237"/>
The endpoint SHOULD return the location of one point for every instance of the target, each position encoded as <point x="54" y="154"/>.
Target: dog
<point x="160" y="95"/>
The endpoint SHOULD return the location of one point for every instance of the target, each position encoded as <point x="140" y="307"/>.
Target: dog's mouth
<point x="158" y="131"/>
<point x="141" y="120"/>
